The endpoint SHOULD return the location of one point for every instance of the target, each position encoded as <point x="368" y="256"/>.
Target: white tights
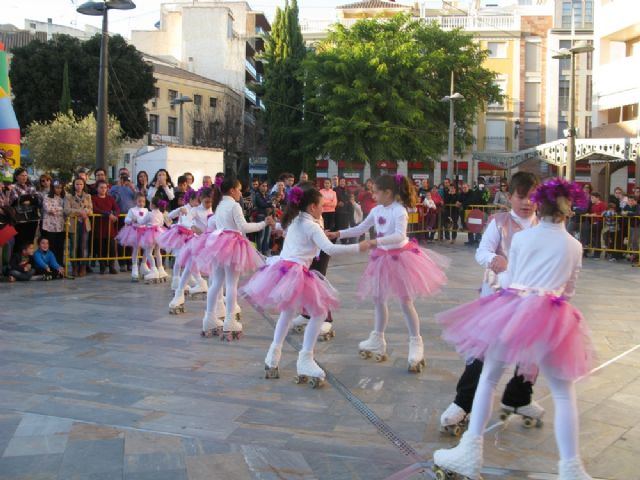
<point x="230" y="279"/>
<point x="381" y="317"/>
<point x="149" y="253"/>
<point x="311" y="331"/>
<point x="186" y="274"/>
<point x="564" y="398"/>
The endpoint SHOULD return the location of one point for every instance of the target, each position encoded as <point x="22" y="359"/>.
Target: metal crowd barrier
<point x="447" y="218"/>
<point x="615" y="236"/>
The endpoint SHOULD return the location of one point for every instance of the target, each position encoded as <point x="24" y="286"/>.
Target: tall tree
<point x="373" y="90"/>
<point x="37" y="71"/>
<point x="65" y="100"/>
<point x="283" y="91"/>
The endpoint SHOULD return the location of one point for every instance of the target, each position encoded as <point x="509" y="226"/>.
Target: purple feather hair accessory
<point x="295" y="196"/>
<point x="163" y="204"/>
<point x="554" y="188"/>
<point x="398" y="178"/>
<point x="218" y="182"/>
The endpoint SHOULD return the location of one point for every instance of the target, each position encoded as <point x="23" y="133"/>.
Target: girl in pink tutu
<point x="397" y="268"/>
<point x="131" y="233"/>
<point x="154" y="222"/>
<point x="227" y="254"/>
<point x="530" y="324"/>
<point x="291" y="287"/>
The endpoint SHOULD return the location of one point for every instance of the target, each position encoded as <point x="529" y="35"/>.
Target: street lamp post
<point x="101" y="9"/>
<point x="451" y="98"/>
<point x="181" y="101"/>
<point x="563" y="54"/>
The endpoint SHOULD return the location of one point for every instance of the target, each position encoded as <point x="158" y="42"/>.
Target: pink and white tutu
<point x="194" y="245"/>
<point x="228" y="249"/>
<point x="174" y="238"/>
<point x="130" y="235"/>
<point x="524" y="328"/>
<point x="287" y="285"/>
<point x="150" y="235"/>
<point x="404" y="273"/>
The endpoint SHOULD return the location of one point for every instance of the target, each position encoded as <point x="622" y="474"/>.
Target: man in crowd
<point x="124" y="193"/>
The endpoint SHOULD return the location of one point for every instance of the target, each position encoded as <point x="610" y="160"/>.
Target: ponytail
<point x="222" y="188"/>
<point x="298" y="200"/>
<point x="401" y="187"/>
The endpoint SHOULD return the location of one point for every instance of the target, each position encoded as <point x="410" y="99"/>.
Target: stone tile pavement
<point x="98" y="381"/>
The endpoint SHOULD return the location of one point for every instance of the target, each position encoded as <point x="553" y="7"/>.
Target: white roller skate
<point x="135" y="274"/>
<point x="152" y="277"/>
<point x="211" y="326"/>
<point x="326" y="332"/>
<point x="176" y="305"/>
<point x="572" y="470"/>
<point x="308" y="370"/>
<point x="300" y="323"/>
<point x="416" y="355"/>
<point x="144" y="270"/>
<point x="375" y="345"/>
<point x="531" y="414"/>
<point x="272" y="361"/>
<point x="231" y="330"/>
<point x="162" y="274"/>
<point x="453" y="420"/>
<point x="199" y="291"/>
<point x="237" y="312"/>
<point x="463" y="461"/>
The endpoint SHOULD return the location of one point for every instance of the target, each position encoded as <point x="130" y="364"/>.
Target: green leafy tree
<point x="67" y="142"/>
<point x="65" y="101"/>
<point x="373" y="90"/>
<point x="283" y="92"/>
<point x="37" y="79"/>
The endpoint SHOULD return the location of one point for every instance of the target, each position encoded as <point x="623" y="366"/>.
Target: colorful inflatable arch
<point x="9" y="128"/>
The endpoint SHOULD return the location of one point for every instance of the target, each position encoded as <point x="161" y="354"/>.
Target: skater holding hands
<point x="154" y="221"/>
<point x="529" y="324"/>
<point x="397" y="269"/>
<point x="291" y="287"/>
<point x="131" y="234"/>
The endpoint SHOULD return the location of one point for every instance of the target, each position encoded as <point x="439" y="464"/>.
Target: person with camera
<point x="124" y="194"/>
<point x="24" y="198"/>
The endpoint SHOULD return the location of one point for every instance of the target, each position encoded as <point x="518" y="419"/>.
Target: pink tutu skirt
<point x="287" y="285"/>
<point x="523" y="328"/>
<point x="404" y="273"/>
<point x="130" y="235"/>
<point x="150" y="236"/>
<point x="174" y="238"/>
<point x="230" y="250"/>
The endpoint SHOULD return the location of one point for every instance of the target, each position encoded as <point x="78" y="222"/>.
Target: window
<point x="197" y="132"/>
<point x="587" y="127"/>
<point x="173" y="94"/>
<point x="501" y="83"/>
<point x="532" y="97"/>
<point x="33" y="25"/>
<point x="565" y="63"/>
<point x="531" y="133"/>
<point x="497" y="49"/>
<point x="156" y="92"/>
<point x="197" y="100"/>
<point x="563" y="96"/>
<point x="213" y="102"/>
<point x="532" y="57"/>
<point x="153" y="124"/>
<point x="583" y="17"/>
<point x="495" y="139"/>
<point x="563" y="124"/>
<point x="173" y="127"/>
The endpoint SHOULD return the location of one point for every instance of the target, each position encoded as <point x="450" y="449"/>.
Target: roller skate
<point x="461" y="462"/>
<point x="176" y="305"/>
<point x="308" y="370"/>
<point x="199" y="291"/>
<point x="453" y="420"/>
<point x="531" y="414"/>
<point x="207" y="330"/>
<point x="572" y="470"/>
<point x="326" y="332"/>
<point x="272" y="361"/>
<point x="152" y="277"/>
<point x="300" y="323"/>
<point x="231" y="330"/>
<point x="375" y="345"/>
<point x="237" y="312"/>
<point x="144" y="269"/>
<point x="416" y="355"/>
<point x="135" y="274"/>
<point x="162" y="274"/>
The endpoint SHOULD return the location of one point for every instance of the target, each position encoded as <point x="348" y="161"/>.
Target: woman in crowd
<point x="329" y="203"/>
<point x="161" y="187"/>
<point x="142" y="182"/>
<point x="78" y="207"/>
<point x="263" y="208"/>
<point x="105" y="227"/>
<point x="53" y="219"/>
<point x="44" y="186"/>
<point x="24" y="198"/>
<point x="502" y="197"/>
<point x="451" y="215"/>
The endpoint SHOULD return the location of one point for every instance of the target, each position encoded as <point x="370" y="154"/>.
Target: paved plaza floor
<point x="98" y="381"/>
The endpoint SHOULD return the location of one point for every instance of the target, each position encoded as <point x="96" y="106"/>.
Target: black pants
<point x="516" y="394"/>
<point x="329" y="219"/>
<point x="53" y="274"/>
<point x="26" y="234"/>
<point x="320" y="265"/>
<point x="56" y="244"/>
<point x="21" y="275"/>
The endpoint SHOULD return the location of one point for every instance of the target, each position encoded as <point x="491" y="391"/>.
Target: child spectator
<point x="21" y="264"/>
<point x="46" y="263"/>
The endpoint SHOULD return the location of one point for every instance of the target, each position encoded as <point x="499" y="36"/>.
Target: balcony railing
<point x="251" y="95"/>
<point x="477" y="22"/>
<point x="250" y="68"/>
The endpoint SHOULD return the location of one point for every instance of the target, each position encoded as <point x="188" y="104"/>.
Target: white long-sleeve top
<point x="229" y="217"/>
<point x="153" y="218"/>
<point x="135" y="215"/>
<point x="211" y="223"/>
<point x="185" y="219"/>
<point x="305" y="238"/>
<point x="545" y="257"/>
<point x="168" y="190"/>
<point x="390" y="223"/>
<point x="200" y="216"/>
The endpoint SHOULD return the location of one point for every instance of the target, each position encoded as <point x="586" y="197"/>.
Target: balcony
<point x="251" y="96"/>
<point x="477" y="23"/>
<point x="250" y="68"/>
<point x="618" y="21"/>
<point x="616" y="83"/>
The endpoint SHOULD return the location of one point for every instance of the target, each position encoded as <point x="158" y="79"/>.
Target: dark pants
<point x="104" y="247"/>
<point x="22" y="276"/>
<point x="56" y="244"/>
<point x="320" y="264"/>
<point x="53" y="274"/>
<point x="329" y="219"/>
<point x="26" y="234"/>
<point x="474" y="237"/>
<point x="516" y="394"/>
<point x="451" y="217"/>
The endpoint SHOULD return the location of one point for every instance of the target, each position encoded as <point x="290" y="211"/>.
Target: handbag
<point x="27" y="213"/>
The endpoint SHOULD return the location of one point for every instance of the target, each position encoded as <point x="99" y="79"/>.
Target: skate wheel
<point x="439" y="473"/>
<point x="271" y="372"/>
<point x="364" y="354"/>
<point x="529" y="422"/>
<point x="298" y="379"/>
<point x="236" y="335"/>
<point x="299" y="329"/>
<point x="316" y="382"/>
<point x="456" y="430"/>
<point x="238" y="317"/>
<point x="380" y="357"/>
<point x="217" y="331"/>
<point x="504" y="416"/>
